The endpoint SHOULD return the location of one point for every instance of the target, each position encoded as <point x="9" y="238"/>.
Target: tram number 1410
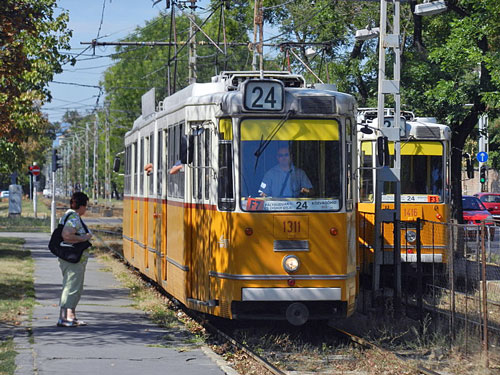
<point x="263" y="95"/>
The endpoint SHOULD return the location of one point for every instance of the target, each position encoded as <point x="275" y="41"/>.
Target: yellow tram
<point x="425" y="178"/>
<point x="250" y="212"/>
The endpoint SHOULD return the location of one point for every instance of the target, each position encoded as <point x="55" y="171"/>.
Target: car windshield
<point x="299" y="169"/>
<point x="490" y="198"/>
<point x="472" y="204"/>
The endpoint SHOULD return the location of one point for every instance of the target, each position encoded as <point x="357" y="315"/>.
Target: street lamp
<point x="310" y="52"/>
<point x="368" y="33"/>
<point x="429" y="8"/>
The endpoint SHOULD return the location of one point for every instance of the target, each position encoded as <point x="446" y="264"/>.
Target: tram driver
<point x="284" y="180"/>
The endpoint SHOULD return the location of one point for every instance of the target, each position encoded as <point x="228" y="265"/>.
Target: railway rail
<point x="232" y="336"/>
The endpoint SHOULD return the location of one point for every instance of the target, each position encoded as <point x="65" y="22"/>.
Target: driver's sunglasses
<point x="283" y="155"/>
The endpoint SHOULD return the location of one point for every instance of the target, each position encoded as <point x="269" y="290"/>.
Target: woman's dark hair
<point x="77" y="200"/>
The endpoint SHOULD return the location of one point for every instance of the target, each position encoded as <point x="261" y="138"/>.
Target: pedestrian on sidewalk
<point x="74" y="231"/>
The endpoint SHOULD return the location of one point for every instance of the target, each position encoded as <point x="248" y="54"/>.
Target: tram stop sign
<point x="35" y="170"/>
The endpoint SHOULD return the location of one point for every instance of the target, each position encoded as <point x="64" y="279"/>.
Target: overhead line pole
<point x="94" y="167"/>
<point x="385" y="173"/>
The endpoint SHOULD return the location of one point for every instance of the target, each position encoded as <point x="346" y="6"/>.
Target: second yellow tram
<point x="425" y="177"/>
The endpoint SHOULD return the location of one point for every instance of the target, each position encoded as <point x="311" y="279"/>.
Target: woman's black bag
<point x="68" y="252"/>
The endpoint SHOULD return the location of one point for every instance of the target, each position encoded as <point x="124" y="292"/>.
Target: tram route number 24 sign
<point x="263" y="95"/>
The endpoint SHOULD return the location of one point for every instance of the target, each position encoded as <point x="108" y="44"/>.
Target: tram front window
<point x="422" y="173"/>
<point x="291" y="166"/>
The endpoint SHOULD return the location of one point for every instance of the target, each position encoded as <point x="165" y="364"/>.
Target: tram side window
<point x="180" y="175"/>
<point x="366" y="173"/>
<point x="349" y="179"/>
<point x="126" y="179"/>
<point x="200" y="159"/>
<point x="226" y="200"/>
<point x="159" y="170"/>
<point x="225" y="192"/>
<point x="208" y="150"/>
<point x="175" y="181"/>
<point x="134" y="168"/>
<point x="170" y="163"/>
<point x="139" y="167"/>
<point x="151" y="159"/>
<point x="349" y="173"/>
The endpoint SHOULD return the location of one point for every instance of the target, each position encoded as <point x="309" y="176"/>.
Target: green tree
<point x="450" y="62"/>
<point x="452" y="72"/>
<point x="137" y="68"/>
<point x="31" y="37"/>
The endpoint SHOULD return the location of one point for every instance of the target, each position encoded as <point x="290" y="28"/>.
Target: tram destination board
<point x="263" y="95"/>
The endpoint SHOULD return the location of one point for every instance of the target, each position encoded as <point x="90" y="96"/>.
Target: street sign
<point x="482" y="157"/>
<point x="35" y="170"/>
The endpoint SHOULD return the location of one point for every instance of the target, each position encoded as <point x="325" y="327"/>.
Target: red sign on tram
<point x="35" y="170"/>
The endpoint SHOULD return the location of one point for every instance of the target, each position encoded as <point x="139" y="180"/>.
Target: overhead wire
<point x="102" y="18"/>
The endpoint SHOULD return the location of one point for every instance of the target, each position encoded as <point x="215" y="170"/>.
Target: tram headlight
<point x="411" y="236"/>
<point x="291" y="263"/>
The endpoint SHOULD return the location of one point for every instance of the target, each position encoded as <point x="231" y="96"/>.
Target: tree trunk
<point x="460" y="132"/>
<point x="418" y="43"/>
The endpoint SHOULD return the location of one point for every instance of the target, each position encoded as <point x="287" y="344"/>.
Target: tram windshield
<point x="298" y="170"/>
<point x="422" y="173"/>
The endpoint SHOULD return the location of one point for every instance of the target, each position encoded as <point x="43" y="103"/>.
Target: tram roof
<point x="224" y="88"/>
<point x="418" y="129"/>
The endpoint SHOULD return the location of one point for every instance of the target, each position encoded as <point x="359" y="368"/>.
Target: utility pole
<point x="35" y="176"/>
<point x="387" y="175"/>
<point x="483" y="147"/>
<point x="258" y="23"/>
<point x="94" y="167"/>
<point x="87" y="183"/>
<point x="107" y="160"/>
<point x="192" y="50"/>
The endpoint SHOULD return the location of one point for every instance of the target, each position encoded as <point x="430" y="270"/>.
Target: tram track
<point x="246" y="347"/>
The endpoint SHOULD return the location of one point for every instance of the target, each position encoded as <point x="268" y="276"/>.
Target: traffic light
<point x="482" y="174"/>
<point x="55" y="159"/>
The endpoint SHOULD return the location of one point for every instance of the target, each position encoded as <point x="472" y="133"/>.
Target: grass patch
<point x="17" y="294"/>
<point x="26" y="222"/>
<point x="7" y="357"/>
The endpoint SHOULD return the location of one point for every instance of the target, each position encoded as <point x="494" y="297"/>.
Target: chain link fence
<point x="450" y="280"/>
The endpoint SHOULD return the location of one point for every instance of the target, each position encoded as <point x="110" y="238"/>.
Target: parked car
<point x="474" y="212"/>
<point x="492" y="203"/>
<point x="4" y="194"/>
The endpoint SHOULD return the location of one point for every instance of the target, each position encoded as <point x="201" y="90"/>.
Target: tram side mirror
<point x="116" y="164"/>
<point x="187" y="149"/>
<point x="383" y="151"/>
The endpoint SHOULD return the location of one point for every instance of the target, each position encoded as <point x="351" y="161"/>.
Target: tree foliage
<point x="31" y="37"/>
<point x="138" y="69"/>
<point x="450" y="62"/>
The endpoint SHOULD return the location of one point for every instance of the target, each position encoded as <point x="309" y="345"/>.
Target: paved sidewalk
<point x="118" y="340"/>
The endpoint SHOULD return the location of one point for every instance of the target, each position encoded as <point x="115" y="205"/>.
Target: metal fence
<point x="450" y="280"/>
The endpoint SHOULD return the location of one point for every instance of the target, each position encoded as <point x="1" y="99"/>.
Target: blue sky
<point x="120" y="18"/>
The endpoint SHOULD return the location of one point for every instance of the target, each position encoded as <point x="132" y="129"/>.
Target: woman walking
<point x="74" y="231"/>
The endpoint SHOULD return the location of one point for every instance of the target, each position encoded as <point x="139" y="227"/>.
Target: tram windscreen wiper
<point x="264" y="143"/>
